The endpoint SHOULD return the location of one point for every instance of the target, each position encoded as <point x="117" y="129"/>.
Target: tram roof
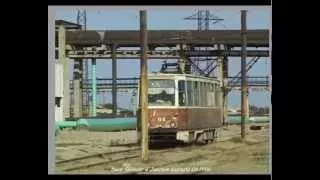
<point x="177" y="76"/>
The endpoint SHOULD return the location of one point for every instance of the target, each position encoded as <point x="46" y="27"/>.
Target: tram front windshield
<point x="161" y="92"/>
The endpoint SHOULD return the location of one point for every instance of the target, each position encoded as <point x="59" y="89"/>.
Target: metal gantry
<point x="83" y="45"/>
<point x="86" y="45"/>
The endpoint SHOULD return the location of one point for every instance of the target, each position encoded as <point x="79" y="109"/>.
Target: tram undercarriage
<point x="167" y="135"/>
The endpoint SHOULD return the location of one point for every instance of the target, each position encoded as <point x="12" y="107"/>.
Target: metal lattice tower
<point x="82" y="20"/>
<point x="204" y="17"/>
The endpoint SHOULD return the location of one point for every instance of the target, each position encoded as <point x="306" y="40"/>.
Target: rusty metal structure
<point x="91" y="44"/>
<point x="172" y="106"/>
<point x="166" y="38"/>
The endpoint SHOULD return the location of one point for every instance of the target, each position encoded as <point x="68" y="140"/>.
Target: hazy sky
<point x="120" y="19"/>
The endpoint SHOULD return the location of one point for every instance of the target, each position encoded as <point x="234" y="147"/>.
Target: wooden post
<point x="144" y="86"/>
<point x="225" y="76"/>
<point x="244" y="85"/>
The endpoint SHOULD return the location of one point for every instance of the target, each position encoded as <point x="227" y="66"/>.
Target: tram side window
<point x="196" y="93"/>
<point x="213" y="94"/>
<point x="218" y="95"/>
<point x="205" y="94"/>
<point x="182" y="93"/>
<point x="199" y="95"/>
<point x="202" y="94"/>
<point x="210" y="94"/>
<point x="190" y="93"/>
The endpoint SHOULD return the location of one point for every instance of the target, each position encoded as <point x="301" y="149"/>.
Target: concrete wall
<point x="59" y="90"/>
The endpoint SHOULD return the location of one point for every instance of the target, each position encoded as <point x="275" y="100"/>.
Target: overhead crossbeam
<point x="130" y="38"/>
<point x="161" y="54"/>
<point x="132" y="83"/>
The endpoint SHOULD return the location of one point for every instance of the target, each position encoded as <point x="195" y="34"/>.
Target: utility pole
<point x="114" y="80"/>
<point x="144" y="86"/>
<point x="225" y="75"/>
<point x="244" y="84"/>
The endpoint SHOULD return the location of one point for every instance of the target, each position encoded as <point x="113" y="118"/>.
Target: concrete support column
<point x="184" y="65"/>
<point x="65" y="63"/>
<point x="219" y="89"/>
<point x="81" y="88"/>
<point x="86" y="94"/>
<point x="134" y="102"/>
<point x="94" y="88"/>
<point x="58" y="92"/>
<point x="66" y="88"/>
<point x="77" y="108"/>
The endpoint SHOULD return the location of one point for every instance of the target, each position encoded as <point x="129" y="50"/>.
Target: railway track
<point x="191" y="158"/>
<point x="98" y="159"/>
<point x="217" y="152"/>
<point x="95" y="159"/>
<point x="101" y="159"/>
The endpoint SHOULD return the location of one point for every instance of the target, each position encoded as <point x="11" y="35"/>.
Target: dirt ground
<point x="74" y="143"/>
<point x="229" y="156"/>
